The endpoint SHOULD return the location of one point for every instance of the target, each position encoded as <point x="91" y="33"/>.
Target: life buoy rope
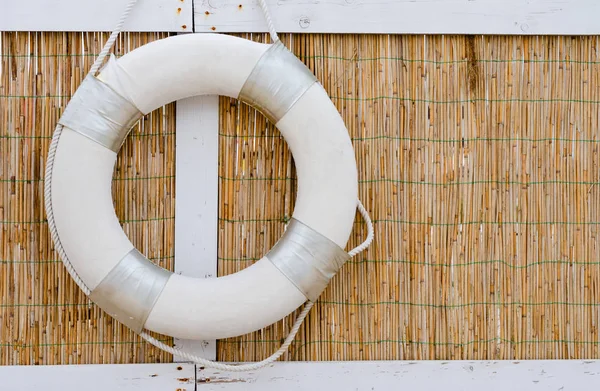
<point x="265" y="9"/>
<point x="80" y="281"/>
<point x="288" y="340"/>
<point x="52" y="153"/>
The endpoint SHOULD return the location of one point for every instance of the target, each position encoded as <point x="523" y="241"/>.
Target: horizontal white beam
<point x="572" y="17"/>
<point x="132" y="377"/>
<point x="419" y="375"/>
<point x="538" y="375"/>
<point x="94" y="15"/>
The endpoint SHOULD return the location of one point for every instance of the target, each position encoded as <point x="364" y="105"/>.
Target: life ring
<point x="118" y="277"/>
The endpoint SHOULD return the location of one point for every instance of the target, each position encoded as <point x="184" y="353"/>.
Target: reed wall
<point x="477" y="158"/>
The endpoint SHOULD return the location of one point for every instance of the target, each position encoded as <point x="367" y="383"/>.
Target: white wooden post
<point x="196" y="192"/>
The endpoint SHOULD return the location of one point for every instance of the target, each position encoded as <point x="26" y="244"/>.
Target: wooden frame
<point x="196" y="213"/>
<point x="567" y="17"/>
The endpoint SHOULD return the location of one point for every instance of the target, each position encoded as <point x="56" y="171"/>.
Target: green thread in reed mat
<point x="53" y="55"/>
<point x="282" y="220"/>
<point x="49" y="96"/>
<point x="150" y="219"/>
<point x="14" y="261"/>
<point x="78" y="343"/>
<point x="461" y="101"/>
<point x="451" y="62"/>
<point x="349" y="304"/>
<point x="425" y="223"/>
<point x="365" y="138"/>
<point x="302" y="344"/>
<point x="429" y="183"/>
<point x="400" y="341"/>
<point x="393" y="98"/>
<point x="148" y="178"/>
<point x="28" y="137"/>
<point x="362" y="181"/>
<point x="446" y="265"/>
<point x="432" y="139"/>
<point x="353" y="59"/>
<point x="437" y="343"/>
<point x="478" y="182"/>
<point x="454" y="306"/>
<point x="441" y="343"/>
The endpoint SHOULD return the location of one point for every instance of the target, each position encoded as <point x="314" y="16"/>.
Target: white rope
<point x="50" y="212"/>
<point x="61" y="252"/>
<point x="370" y="232"/>
<point x="270" y="26"/>
<point x="52" y="153"/>
<point x="289" y="339"/>
<point x="236" y="368"/>
<point x="113" y="37"/>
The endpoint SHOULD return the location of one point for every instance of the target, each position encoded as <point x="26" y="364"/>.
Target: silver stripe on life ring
<point x="276" y="83"/>
<point x="307" y="258"/>
<point x="128" y="293"/>
<point x="97" y="112"/>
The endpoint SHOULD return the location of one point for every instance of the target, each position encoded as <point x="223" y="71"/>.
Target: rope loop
<point x="289" y="339"/>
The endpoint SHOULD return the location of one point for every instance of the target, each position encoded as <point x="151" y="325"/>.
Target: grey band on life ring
<point x="307" y="258"/>
<point x="100" y="114"/>
<point x="128" y="293"/>
<point x="277" y="81"/>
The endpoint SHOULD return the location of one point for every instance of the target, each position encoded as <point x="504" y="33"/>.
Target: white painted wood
<point x="403" y="16"/>
<point x="94" y="15"/>
<point x="142" y="377"/>
<point x="197" y="192"/>
<point x="536" y="375"/>
<point x="420" y="375"/>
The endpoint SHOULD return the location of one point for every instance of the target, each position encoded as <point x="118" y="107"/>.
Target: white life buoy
<point x="120" y="279"/>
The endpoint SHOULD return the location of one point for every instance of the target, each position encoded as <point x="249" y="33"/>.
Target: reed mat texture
<point x="44" y="317"/>
<point x="478" y="160"/>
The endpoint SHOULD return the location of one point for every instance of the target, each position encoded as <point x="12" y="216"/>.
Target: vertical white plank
<point x="197" y="142"/>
